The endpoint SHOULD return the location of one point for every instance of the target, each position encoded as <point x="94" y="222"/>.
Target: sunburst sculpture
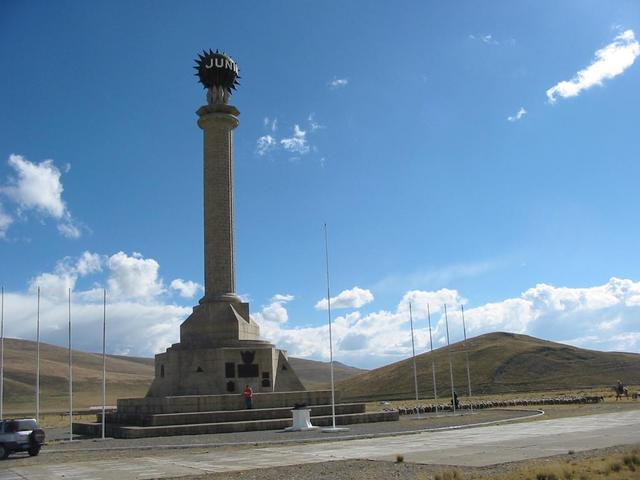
<point x="218" y="73"/>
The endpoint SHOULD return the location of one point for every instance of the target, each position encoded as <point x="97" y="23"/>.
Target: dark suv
<point x="21" y="435"/>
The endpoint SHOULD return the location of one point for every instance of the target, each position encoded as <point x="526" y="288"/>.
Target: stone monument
<point x="220" y="349"/>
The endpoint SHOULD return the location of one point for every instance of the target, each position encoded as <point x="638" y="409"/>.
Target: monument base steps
<point x="164" y="419"/>
<point x="121" y="431"/>
<point x="208" y="414"/>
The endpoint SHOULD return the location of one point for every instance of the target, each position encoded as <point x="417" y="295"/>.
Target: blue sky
<point x="483" y="153"/>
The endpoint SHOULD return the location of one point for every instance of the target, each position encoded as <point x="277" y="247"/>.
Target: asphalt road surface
<point x="478" y="446"/>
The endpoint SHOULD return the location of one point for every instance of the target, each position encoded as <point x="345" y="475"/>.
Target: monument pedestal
<point x="220" y="351"/>
<point x="301" y="421"/>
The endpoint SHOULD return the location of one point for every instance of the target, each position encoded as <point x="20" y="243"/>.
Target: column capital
<point x="217" y="113"/>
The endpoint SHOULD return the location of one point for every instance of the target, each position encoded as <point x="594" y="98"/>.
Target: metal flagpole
<point x="433" y="361"/>
<point x="466" y="352"/>
<point x="333" y="397"/>
<point x="104" y="358"/>
<point x="2" y="355"/>
<point x="453" y="392"/>
<point x="70" y="376"/>
<point x="38" y="359"/>
<point x="413" y="348"/>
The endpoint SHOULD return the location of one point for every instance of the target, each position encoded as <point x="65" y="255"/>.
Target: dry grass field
<point x="623" y="464"/>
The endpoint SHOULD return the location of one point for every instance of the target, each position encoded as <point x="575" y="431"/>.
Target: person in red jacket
<point x="248" y="396"/>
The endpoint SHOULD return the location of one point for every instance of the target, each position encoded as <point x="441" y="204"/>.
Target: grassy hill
<point x="126" y="376"/>
<point x="499" y="363"/>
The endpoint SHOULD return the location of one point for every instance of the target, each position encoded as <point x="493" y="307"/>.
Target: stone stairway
<point x="209" y="414"/>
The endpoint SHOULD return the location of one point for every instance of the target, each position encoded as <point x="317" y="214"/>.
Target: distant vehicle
<point x="20" y="435"/>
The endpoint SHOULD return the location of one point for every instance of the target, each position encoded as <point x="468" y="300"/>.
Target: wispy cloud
<point x="609" y="62"/>
<point x="338" y="83"/>
<point x="435" y="277"/>
<point x="265" y="144"/>
<point x="488" y="39"/>
<point x="5" y="221"/>
<point x="271" y="124"/>
<point x="518" y="116"/>
<point x="296" y="143"/>
<point x="313" y="124"/>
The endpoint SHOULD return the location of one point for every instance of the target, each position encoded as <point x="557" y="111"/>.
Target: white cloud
<point x="38" y="187"/>
<point x="265" y="144"/>
<point x="186" y="288"/>
<point x="275" y="313"/>
<point x="282" y="298"/>
<point x="55" y="285"/>
<point x="518" y="116"/>
<point x="313" y="124"/>
<point x="338" y="83"/>
<point x="134" y="305"/>
<point x="69" y="227"/>
<point x="488" y="39"/>
<point x="89" y="263"/>
<point x="297" y="143"/>
<point x="134" y="276"/>
<point x="606" y="316"/>
<point x="609" y="62"/>
<point x="271" y="124"/>
<point x="354" y="298"/>
<point x="5" y="221"/>
<point x="133" y="328"/>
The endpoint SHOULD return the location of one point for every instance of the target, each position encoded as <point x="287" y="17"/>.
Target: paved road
<point x="472" y="447"/>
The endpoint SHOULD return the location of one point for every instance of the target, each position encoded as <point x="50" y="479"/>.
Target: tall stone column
<point x="217" y="123"/>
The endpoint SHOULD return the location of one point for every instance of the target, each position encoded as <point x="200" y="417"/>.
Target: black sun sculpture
<point x="217" y="70"/>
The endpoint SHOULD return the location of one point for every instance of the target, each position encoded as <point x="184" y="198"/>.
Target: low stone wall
<point x="430" y="408"/>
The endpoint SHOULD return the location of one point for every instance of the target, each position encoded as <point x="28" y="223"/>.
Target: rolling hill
<point x="499" y="363"/>
<point x="126" y="376"/>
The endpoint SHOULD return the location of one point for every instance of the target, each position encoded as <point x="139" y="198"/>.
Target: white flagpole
<point x="70" y="376"/>
<point x="2" y="355"/>
<point x="433" y="361"/>
<point x="104" y="359"/>
<point x="38" y="359"/>
<point x="413" y="348"/>
<point x="333" y="392"/>
<point x="453" y="392"/>
<point x="466" y="352"/>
